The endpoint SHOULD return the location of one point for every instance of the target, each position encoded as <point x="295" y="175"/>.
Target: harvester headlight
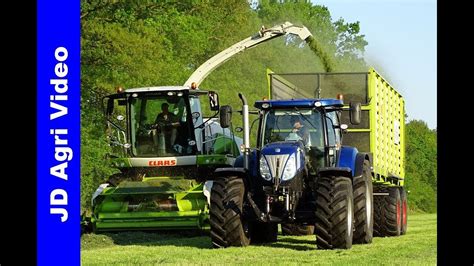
<point x="290" y="168"/>
<point x="264" y="169"/>
<point x="317" y="104"/>
<point x="265" y="105"/>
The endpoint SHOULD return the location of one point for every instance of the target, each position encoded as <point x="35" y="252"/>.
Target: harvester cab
<point x="161" y="122"/>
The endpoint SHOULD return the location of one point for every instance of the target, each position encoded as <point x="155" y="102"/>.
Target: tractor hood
<point x="282" y="147"/>
<point x="282" y="160"/>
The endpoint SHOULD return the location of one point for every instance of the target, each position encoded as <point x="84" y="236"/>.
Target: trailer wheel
<point x="403" y="197"/>
<point x="334" y="213"/>
<point x="378" y="213"/>
<point x="296" y="229"/>
<point x="363" y="206"/>
<point x="228" y="228"/>
<point x="388" y="209"/>
<point x="264" y="232"/>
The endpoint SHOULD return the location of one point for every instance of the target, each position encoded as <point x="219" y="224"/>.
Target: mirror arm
<point x="201" y="126"/>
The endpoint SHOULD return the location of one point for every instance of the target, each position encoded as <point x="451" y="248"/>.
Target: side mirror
<point x="214" y="100"/>
<point x="355" y="113"/>
<point x="225" y="116"/>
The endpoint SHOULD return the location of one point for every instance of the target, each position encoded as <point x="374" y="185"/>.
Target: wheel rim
<point x="404" y="212"/>
<point x="368" y="205"/>
<point x="349" y="217"/>
<point x="398" y="214"/>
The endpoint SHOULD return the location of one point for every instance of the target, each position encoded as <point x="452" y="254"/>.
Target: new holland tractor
<point x="302" y="172"/>
<point x="167" y="151"/>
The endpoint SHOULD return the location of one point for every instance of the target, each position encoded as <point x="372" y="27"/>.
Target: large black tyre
<point x="378" y="212"/>
<point x="403" y="198"/>
<point x="227" y="226"/>
<point x="334" y="213"/>
<point x="363" y="206"/>
<point x="387" y="212"/>
<point x="296" y="229"/>
<point x="264" y="232"/>
<point x="115" y="179"/>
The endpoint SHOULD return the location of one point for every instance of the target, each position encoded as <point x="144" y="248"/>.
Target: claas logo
<point x="162" y="163"/>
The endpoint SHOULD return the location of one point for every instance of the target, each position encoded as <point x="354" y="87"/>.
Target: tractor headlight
<point x="290" y="168"/>
<point x="264" y="169"/>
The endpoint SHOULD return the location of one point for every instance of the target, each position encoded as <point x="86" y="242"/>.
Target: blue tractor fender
<point x="239" y="162"/>
<point x="238" y="168"/>
<point x="359" y="165"/>
<point x="351" y="158"/>
<point x="348" y="158"/>
<point x="230" y="171"/>
<point x="335" y="171"/>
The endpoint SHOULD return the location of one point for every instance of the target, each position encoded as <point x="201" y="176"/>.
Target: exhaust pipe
<point x="245" y="118"/>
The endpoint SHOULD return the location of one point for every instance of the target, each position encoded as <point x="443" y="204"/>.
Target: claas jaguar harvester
<point x="347" y="183"/>
<point x="166" y="166"/>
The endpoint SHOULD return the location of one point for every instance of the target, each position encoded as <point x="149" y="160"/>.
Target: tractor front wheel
<point x="334" y="213"/>
<point x="228" y="226"/>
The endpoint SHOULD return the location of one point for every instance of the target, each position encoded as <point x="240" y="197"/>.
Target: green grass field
<point x="417" y="247"/>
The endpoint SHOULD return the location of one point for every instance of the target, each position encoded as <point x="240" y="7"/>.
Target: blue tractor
<point x="298" y="174"/>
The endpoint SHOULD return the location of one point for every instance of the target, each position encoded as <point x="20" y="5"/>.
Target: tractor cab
<point x="312" y="122"/>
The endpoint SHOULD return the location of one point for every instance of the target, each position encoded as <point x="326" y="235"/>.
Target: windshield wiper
<point x="304" y="117"/>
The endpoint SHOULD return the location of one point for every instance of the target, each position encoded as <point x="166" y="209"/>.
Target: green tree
<point x="421" y="166"/>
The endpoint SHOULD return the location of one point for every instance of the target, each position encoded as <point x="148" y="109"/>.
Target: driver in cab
<point x="299" y="131"/>
<point x="166" y="123"/>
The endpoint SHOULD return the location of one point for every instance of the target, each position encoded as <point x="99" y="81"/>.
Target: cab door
<point x="333" y="137"/>
<point x="116" y="117"/>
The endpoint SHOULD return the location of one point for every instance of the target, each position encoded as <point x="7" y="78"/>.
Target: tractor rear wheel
<point x="334" y="213"/>
<point x="403" y="196"/>
<point x="264" y="232"/>
<point x="388" y="209"/>
<point x="363" y="206"/>
<point x="296" y="229"/>
<point x="228" y="228"/>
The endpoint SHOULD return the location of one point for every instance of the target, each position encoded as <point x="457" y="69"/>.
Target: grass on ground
<point x="417" y="247"/>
